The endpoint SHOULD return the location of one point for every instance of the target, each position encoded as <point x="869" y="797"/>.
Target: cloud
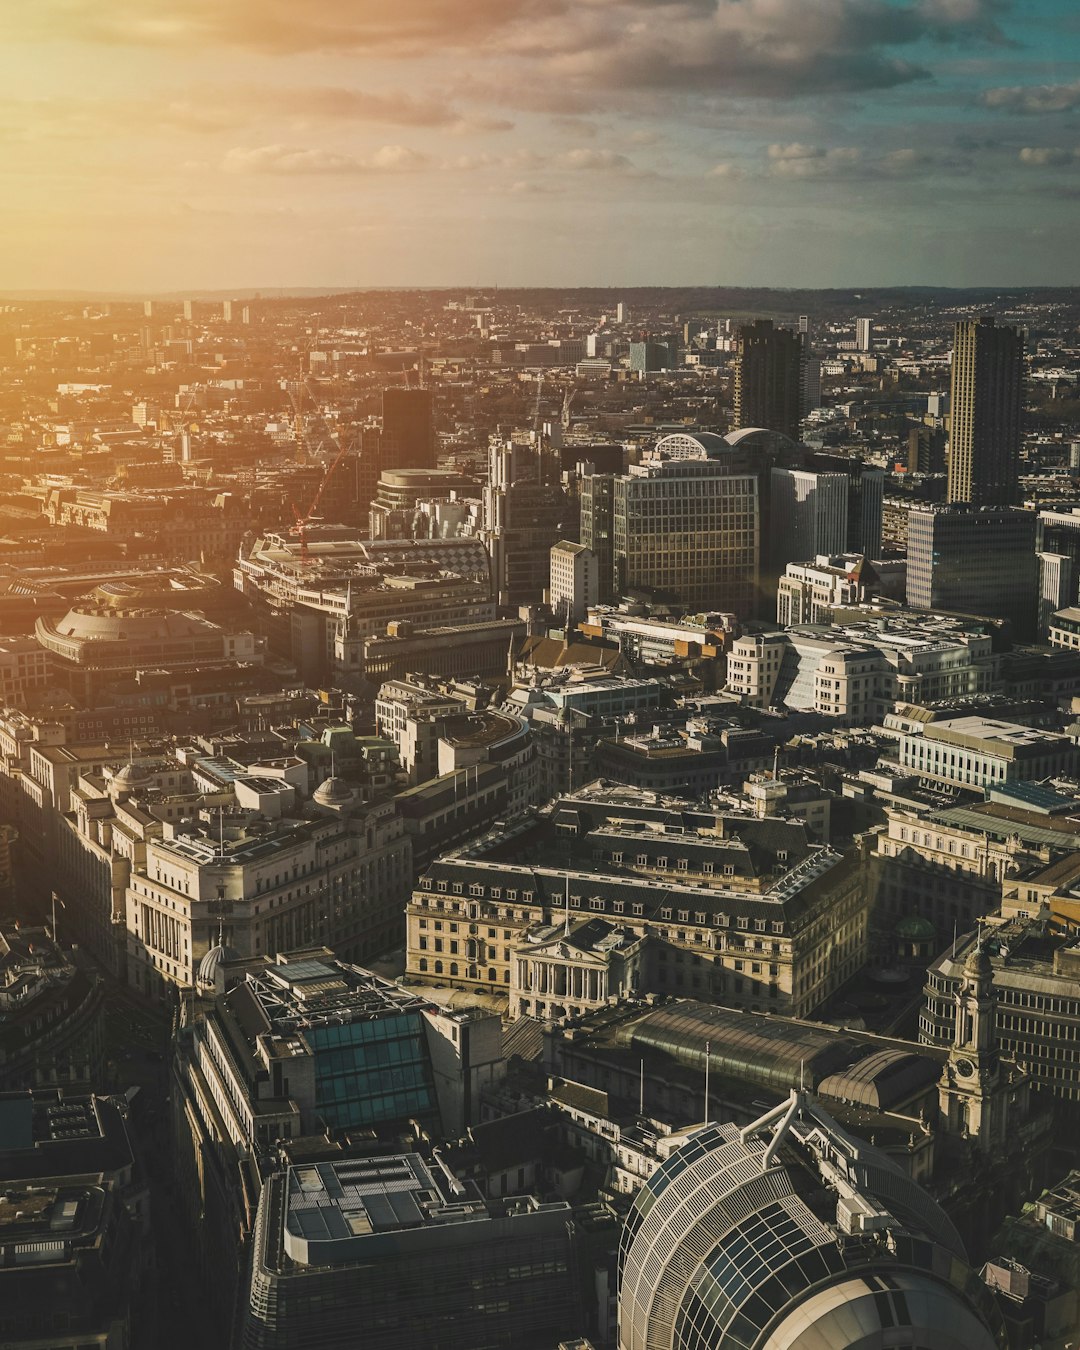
<point x="811" y="161"/>
<point x="1042" y="155"/>
<point x="288" y="160"/>
<point x="592" y="160"/>
<point x="1033" y="98"/>
<point x="334" y="103"/>
<point x="744" y="48"/>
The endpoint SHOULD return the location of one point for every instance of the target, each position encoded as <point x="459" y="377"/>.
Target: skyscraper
<point x="769" y="378"/>
<point x="408" y="430"/>
<point x="986" y="400"/>
<point x="863" y="333"/>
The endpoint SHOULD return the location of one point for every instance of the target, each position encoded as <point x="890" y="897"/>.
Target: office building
<point x="597" y="507"/>
<point x="52" y="1015"/>
<point x="926" y="450"/>
<point x="1057" y="588"/>
<point x="408" y="429"/>
<point x="769" y="378"/>
<point x="977" y="752"/>
<point x="1035" y="974"/>
<point x="394" y="512"/>
<point x="74" y="1226"/>
<point x="809" y="513"/>
<point x="790" y="1234"/>
<point x="524" y="516"/>
<point x="689" y="528"/>
<point x="261" y="884"/>
<point x="986" y="398"/>
<point x="974" y="561"/>
<point x="1057" y="535"/>
<point x="575" y="582"/>
<point x="864" y="330"/>
<point x="856" y="672"/>
<point x="297" y="1046"/>
<point x="651" y="353"/>
<point x="321" y="603"/>
<point x="809" y="592"/>
<point x="752" y="913"/>
<point x="404" y="1250"/>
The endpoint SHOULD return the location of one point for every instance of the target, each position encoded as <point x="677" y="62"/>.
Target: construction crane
<point x="300" y="529"/>
<point x="536" y="410"/>
<point x="568" y="399"/>
<point x="180" y="422"/>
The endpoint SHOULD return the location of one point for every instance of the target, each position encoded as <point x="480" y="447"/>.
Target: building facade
<point x="974" y="561"/>
<point x="689" y="528"/>
<point x="769" y="378"/>
<point x="986" y="399"/>
<point x="744" y="910"/>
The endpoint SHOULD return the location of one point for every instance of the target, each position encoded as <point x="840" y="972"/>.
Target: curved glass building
<point x="792" y="1235"/>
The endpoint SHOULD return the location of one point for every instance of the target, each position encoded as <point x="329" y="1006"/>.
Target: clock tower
<point x="974" y="1091"/>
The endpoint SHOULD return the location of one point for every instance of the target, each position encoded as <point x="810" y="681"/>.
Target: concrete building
<point x="809" y="592"/>
<point x="74" y="1226"/>
<point x="575" y="582"/>
<point x="769" y="378"/>
<point x="408" y="429"/>
<point x="725" y="1246"/>
<point x="394" y="512"/>
<point x="858" y="672"/>
<point x="978" y="752"/>
<point x="1063" y="628"/>
<point x="717" y="896"/>
<point x="689" y="527"/>
<point x="986" y="399"/>
<point x="974" y="561"/>
<point x="417" y="1257"/>
<point x="1035" y="975"/>
<point x="597" y="509"/>
<point x="525" y="515"/>
<point x="809" y="514"/>
<point x="261" y="885"/>
<point x="91" y="647"/>
<point x="319" y="612"/>
<point x="274" y="1053"/>
<point x="864" y="329"/>
<point x="52" y="1015"/>
<point x="1057" y="589"/>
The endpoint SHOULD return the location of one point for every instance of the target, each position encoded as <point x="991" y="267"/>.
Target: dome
<point x="130" y="777"/>
<point x="332" y="791"/>
<point x="692" y="445"/>
<point x="208" y="966"/>
<point x="978" y="961"/>
<point x="914" y="928"/>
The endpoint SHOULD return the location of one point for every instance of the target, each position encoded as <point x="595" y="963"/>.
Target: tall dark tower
<point x="408" y="430"/>
<point x="986" y="402"/>
<point x="769" y="378"/>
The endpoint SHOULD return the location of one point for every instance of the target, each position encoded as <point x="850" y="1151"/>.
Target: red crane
<point x="303" y="521"/>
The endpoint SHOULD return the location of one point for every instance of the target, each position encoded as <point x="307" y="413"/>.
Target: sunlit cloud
<point x="283" y="159"/>
<point x="1034" y="98"/>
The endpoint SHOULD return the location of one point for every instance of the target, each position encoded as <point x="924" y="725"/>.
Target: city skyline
<point x="841" y="142"/>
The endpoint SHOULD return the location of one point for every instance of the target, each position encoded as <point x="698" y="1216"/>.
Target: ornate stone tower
<point x="974" y="1093"/>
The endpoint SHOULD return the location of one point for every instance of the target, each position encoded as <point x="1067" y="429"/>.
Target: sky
<point x="163" y="145"/>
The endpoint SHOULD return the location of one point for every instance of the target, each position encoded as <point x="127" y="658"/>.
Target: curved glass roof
<point x="774" y="1054"/>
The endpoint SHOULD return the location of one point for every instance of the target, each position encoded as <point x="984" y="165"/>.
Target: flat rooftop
<point x="334" y="1209"/>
